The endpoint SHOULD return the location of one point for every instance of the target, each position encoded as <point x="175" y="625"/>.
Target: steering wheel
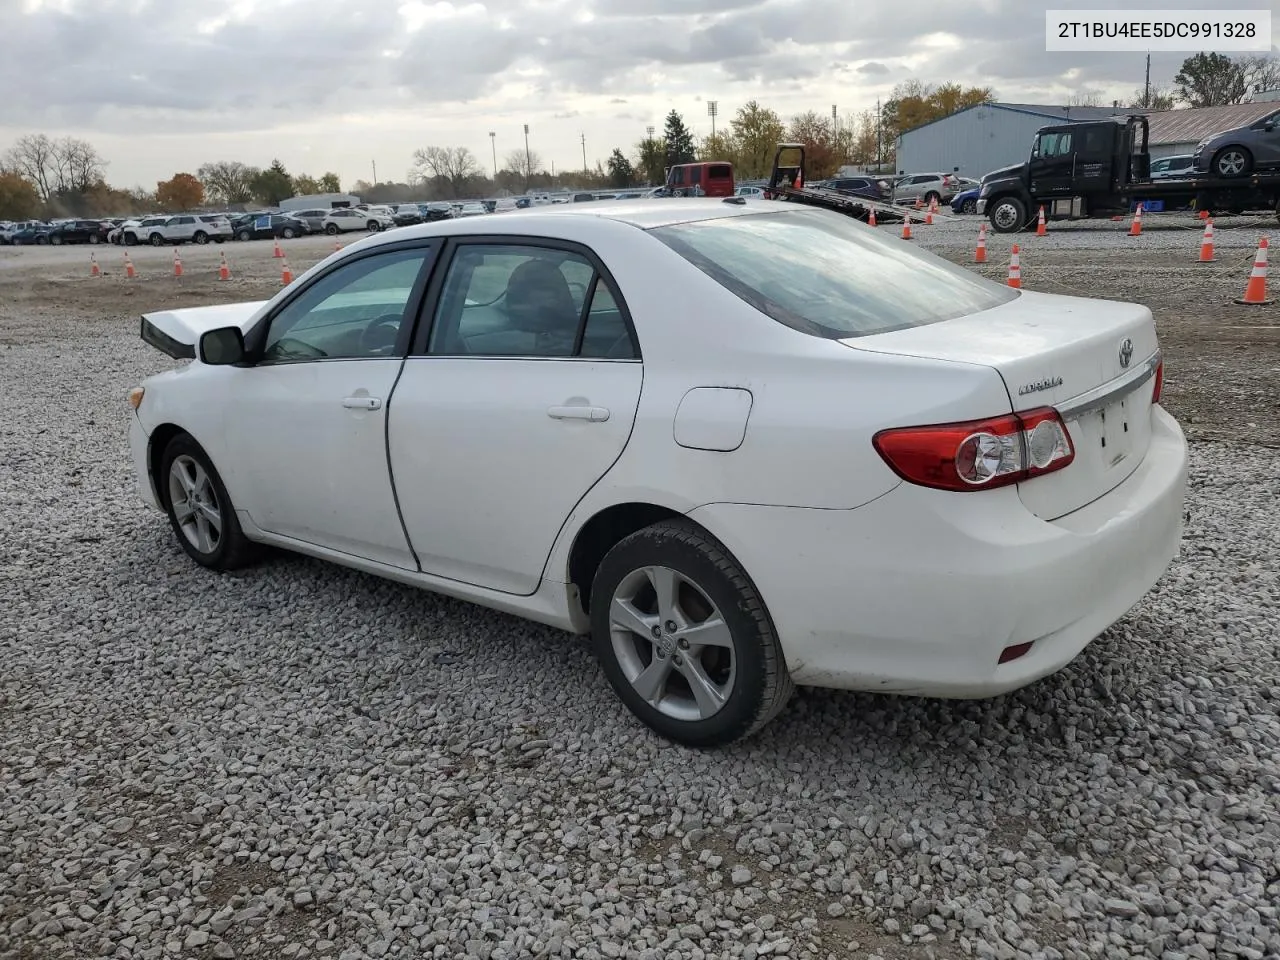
<point x="290" y="348"/>
<point x="380" y="335"/>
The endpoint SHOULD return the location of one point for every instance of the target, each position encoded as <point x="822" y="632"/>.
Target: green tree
<point x="680" y="145"/>
<point x="273" y="184"/>
<point x="228" y="181"/>
<point x="1210" y="80"/>
<point x="757" y="131"/>
<point x="19" y="199"/>
<point x="718" y="147"/>
<point x="914" y="104"/>
<point x="305" y="186"/>
<point x="651" y="160"/>
<point x="621" y="173"/>
<point x="182" y="191"/>
<point x="329" y="183"/>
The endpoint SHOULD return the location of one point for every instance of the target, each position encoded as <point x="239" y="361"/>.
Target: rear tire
<point x="969" y="206"/>
<point x="56" y="240"/>
<point x="288" y="233"/>
<point x="200" y="237"/>
<point x="746" y="679"/>
<point x="1232" y="162"/>
<point x="94" y="239"/>
<point x="193" y="496"/>
<point x="244" y="235"/>
<point x="331" y="229"/>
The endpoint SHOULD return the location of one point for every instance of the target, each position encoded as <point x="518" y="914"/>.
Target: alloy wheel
<point x="195" y="504"/>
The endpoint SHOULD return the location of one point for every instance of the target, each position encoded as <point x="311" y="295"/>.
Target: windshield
<point x="828" y="275"/>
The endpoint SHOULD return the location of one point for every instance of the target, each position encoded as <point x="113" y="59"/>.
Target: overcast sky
<point x="165" y="85"/>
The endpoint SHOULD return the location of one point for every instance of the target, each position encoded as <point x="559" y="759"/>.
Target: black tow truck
<point x="1101" y="169"/>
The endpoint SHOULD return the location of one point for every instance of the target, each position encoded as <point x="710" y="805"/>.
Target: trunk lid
<point x="1062" y="352"/>
<point x="176" y="332"/>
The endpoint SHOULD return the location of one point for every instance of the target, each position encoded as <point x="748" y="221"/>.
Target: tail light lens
<point x="1159" y="387"/>
<point x="978" y="454"/>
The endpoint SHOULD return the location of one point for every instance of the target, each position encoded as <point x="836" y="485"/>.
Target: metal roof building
<point x="982" y="138"/>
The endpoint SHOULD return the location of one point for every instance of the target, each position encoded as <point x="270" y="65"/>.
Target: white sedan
<point x="812" y="454"/>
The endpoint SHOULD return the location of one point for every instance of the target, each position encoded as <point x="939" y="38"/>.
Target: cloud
<point x="344" y="79"/>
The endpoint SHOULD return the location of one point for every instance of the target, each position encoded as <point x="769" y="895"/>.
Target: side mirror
<point x="222" y="347"/>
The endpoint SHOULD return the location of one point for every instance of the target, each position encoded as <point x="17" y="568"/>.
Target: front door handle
<point x="578" y="412"/>
<point x="361" y="403"/>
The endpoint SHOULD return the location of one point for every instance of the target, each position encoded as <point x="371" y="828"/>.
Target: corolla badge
<point x="1048" y="383"/>
<point x="1126" y="352"/>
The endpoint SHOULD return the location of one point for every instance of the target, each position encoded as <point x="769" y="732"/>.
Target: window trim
<point x="430" y="304"/>
<point x="256" y="336"/>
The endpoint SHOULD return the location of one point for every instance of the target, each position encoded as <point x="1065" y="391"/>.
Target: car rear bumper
<point x="919" y="591"/>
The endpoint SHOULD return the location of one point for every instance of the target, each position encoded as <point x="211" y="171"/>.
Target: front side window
<point x="511" y="300"/>
<point x="829" y="276"/>
<point x="355" y="312"/>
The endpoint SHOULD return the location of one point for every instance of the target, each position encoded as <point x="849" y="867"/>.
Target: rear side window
<point x="827" y="275"/>
<point x="719" y="171"/>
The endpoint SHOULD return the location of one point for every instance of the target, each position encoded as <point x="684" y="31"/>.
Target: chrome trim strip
<point x="1100" y="397"/>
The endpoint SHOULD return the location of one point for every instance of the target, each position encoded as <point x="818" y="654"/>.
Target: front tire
<point x="56" y="240"/>
<point x="1232" y="162"/>
<point x="199" y="508"/>
<point x="1007" y="215"/>
<point x="244" y="235"/>
<point x="372" y="226"/>
<point x="157" y="240"/>
<point x="94" y="239"/>
<point x="287" y="233"/>
<point x="684" y="638"/>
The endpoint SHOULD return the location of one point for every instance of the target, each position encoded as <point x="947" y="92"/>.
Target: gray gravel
<point x="300" y="761"/>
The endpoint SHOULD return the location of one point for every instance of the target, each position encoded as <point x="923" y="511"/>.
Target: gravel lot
<point x="301" y="761"/>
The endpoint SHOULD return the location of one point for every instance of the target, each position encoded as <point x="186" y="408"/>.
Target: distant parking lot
<point x="298" y="760"/>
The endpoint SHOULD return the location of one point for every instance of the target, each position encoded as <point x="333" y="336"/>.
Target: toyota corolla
<point x="742" y="444"/>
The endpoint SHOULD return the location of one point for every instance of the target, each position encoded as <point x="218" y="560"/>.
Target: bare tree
<point x="453" y="166"/>
<point x="33" y="157"/>
<point x="79" y="165"/>
<point x="1084" y="100"/>
<point x="523" y="165"/>
<point x="228" y="180"/>
<point x="1259" y="72"/>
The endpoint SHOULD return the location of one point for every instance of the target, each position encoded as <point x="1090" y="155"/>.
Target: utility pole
<point x="1146" y="89"/>
<point x="493" y="145"/>
<point x="375" y="172"/>
<point x="879" y="155"/>
<point x="527" y="161"/>
<point x="584" y="152"/>
<point x="713" y="110"/>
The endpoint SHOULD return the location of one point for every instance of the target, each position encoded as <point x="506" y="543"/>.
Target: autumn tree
<point x="182" y="191"/>
<point x="228" y="181"/>
<point x="19" y="199"/>
<point x="756" y="133"/>
<point x="716" y="147"/>
<point x="914" y="104"/>
<point x="679" y="141"/>
<point x="822" y="150"/>
<point x="866" y="147"/>
<point x="621" y="173"/>
<point x="273" y="184"/>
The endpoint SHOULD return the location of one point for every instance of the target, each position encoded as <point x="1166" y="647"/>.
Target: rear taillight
<point x="978" y="454"/>
<point x="1159" y="387"/>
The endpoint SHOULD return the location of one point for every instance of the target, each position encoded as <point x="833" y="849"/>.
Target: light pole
<point x="713" y="110"/>
<point x="584" y="152"/>
<point x="493" y="145"/>
<point x="527" y="161"/>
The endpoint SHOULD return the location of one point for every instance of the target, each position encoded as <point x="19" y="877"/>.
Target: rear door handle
<point x="578" y="412"/>
<point x="361" y="403"/>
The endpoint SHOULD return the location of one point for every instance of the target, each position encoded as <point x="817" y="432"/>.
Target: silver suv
<point x="926" y="187"/>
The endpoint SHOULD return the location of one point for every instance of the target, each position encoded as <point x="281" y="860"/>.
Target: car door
<point x="1052" y="164"/>
<point x="306" y="423"/>
<point x="1264" y="141"/>
<point x="517" y="398"/>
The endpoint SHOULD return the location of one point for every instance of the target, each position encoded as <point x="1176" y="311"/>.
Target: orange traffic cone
<point x="1206" y="243"/>
<point x="919" y="204"/>
<point x="336" y="246"/>
<point x="1204" y="214"/>
<point x="1015" y="268"/>
<point x="1040" y="224"/>
<point x="177" y="263"/>
<point x="94" y="269"/>
<point x="1255" y="294"/>
<point x="871" y="220"/>
<point x="286" y="275"/>
<point x="278" y="252"/>
<point x="224" y="272"/>
<point x="906" y="228"/>
<point x="980" y="254"/>
<point x="128" y="268"/>
<point x="1135" y="229"/>
<point x="799" y="179"/>
<point x="928" y="218"/>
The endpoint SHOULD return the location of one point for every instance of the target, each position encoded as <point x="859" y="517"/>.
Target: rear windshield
<point x="719" y="171"/>
<point x="829" y="275"/>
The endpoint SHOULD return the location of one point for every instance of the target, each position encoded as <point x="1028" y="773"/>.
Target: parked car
<point x="269" y="226"/>
<point x="756" y="193"/>
<point x="438" y="210"/>
<point x="407" y="215"/>
<point x="78" y="231"/>
<point x="33" y="233"/>
<point x="966" y="201"/>
<point x="1240" y="151"/>
<point x="991" y="481"/>
<point x="472" y="210"/>
<point x="345" y="220"/>
<point x="1173" y="168"/>
<point x="189" y="228"/>
<point x="313" y="218"/>
<point x="925" y="187"/>
<point x="870" y="188"/>
<point x="705" y="179"/>
<point x="9" y="230"/>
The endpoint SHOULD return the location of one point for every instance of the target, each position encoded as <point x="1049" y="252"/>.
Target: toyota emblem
<point x="1126" y="352"/>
